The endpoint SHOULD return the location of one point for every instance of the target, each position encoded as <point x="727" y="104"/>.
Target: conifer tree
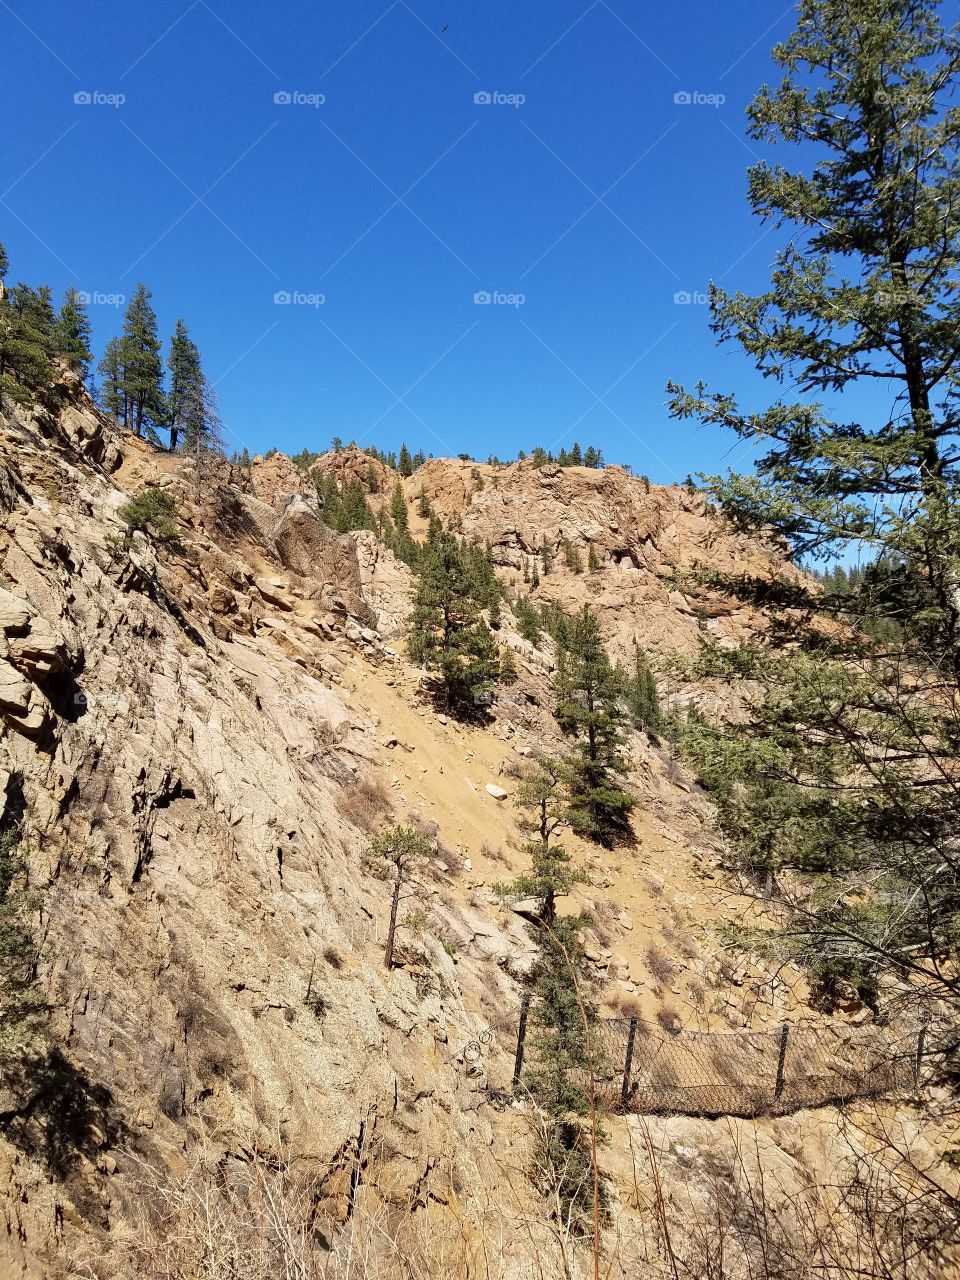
<point x="183" y="362"/>
<point x="589" y="709"/>
<point x="406" y="462"/>
<point x="400" y="850"/>
<point x="21" y="1004"/>
<point x="71" y="333"/>
<point x="398" y="508"/>
<point x="4" y="263"/>
<point x="112" y="395"/>
<point x="200" y="425"/>
<point x="447" y="631"/>
<point x="563" y="1007"/>
<point x="847" y="767"/>
<point x="27" y="321"/>
<point x="642" y="698"/>
<point x="142" y="368"/>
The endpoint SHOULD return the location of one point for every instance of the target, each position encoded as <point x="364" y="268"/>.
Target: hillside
<point x="199" y="743"/>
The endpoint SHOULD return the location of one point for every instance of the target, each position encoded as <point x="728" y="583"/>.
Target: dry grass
<point x="365" y="804"/>
<point x="661" y="965"/>
<point x="669" y="1019"/>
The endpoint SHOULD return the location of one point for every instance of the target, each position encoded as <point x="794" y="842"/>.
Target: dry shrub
<point x="426" y="826"/>
<point x="660" y="964"/>
<point x="494" y="855"/>
<point x="625" y="1004"/>
<point x="669" y="1019"/>
<point x="365" y="804"/>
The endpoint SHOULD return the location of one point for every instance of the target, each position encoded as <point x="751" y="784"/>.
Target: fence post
<point x="628" y="1063"/>
<point x="521" y="1036"/>
<point x="918" y="1061"/>
<point x="781" y="1061"/>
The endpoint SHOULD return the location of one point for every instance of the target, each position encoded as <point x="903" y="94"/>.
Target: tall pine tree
<point x="71" y="333"/>
<point x="589" y="709"/>
<point x="847" y="767"/>
<point x="145" y="405"/>
<point x="448" y="633"/>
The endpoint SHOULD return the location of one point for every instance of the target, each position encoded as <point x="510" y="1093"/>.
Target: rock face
<point x="196" y="747"/>
<point x="540" y="521"/>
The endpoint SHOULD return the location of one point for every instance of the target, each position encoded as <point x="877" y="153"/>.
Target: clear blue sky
<point x="598" y="198"/>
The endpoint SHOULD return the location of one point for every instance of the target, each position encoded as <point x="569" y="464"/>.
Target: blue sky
<point x="581" y="187"/>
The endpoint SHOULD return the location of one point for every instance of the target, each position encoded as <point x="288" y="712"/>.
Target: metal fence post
<point x="521" y="1036"/>
<point x="628" y="1063"/>
<point x="781" y="1061"/>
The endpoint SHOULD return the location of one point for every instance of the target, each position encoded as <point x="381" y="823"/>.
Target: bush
<point x="152" y="513"/>
<point x="660" y="964"/>
<point x="365" y="804"/>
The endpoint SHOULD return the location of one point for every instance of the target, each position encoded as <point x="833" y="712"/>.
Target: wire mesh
<point x="739" y="1073"/>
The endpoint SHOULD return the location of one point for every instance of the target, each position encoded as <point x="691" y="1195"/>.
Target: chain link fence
<point x="640" y="1067"/>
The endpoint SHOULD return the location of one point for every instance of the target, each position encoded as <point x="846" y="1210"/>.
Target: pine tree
<point x="71" y="333"/>
<point x="847" y="766"/>
<point x="142" y="368"/>
<point x="592" y="457"/>
<point x="4" y="263"/>
<point x="112" y="396"/>
<point x="642" y="698"/>
<point x="576" y="457"/>
<point x="27" y="321"/>
<point x="552" y="873"/>
<point x="22" y="1006"/>
<point x="183" y="362"/>
<point x="200" y="425"/>
<point x="406" y="462"/>
<point x="398" y="508"/>
<point x="447" y="633"/>
<point x="528" y="620"/>
<point x="401" y="850"/>
<point x="563" y="1007"/>
<point x="589" y="709"/>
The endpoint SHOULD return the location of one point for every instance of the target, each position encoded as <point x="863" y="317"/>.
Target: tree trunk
<point x="392" y="927"/>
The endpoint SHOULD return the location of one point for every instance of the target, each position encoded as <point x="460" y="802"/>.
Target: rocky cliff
<point x="197" y="741"/>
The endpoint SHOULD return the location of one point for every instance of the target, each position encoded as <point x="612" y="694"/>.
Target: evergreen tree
<point x="406" y="462"/>
<point x="200" y="425"/>
<point x="589" y="709"/>
<point x="71" y="333"/>
<point x="373" y="484"/>
<point x="563" y="1006"/>
<point x="528" y="620"/>
<point x="4" y="263"/>
<point x="27" y="321"/>
<point x="847" y="766"/>
<point x="21" y="1005"/>
<point x="418" y="459"/>
<point x="543" y="811"/>
<point x="142" y="368"/>
<point x="447" y="633"/>
<point x="592" y="457"/>
<point x="113" y="397"/>
<point x="643" y="701"/>
<point x="183" y="362"/>
<point x="401" y="850"/>
<point x="398" y="508"/>
<point x="576" y="457"/>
